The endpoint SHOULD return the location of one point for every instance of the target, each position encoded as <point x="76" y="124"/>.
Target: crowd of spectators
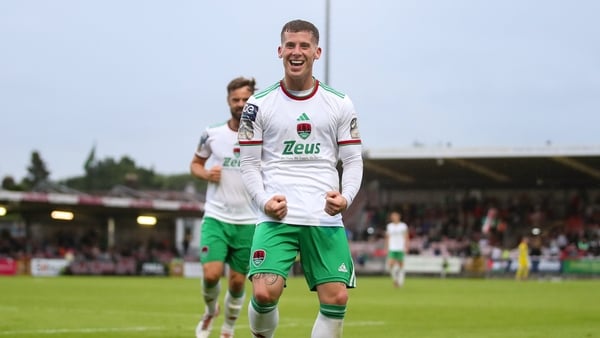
<point x="90" y="245"/>
<point x="493" y="226"/>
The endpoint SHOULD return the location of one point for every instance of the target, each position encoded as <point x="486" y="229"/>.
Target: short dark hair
<point x="298" y="25"/>
<point x="240" y="82"/>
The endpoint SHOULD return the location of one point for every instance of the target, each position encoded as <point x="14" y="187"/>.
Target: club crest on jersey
<point x="303" y="128"/>
<point x="258" y="257"/>
<point x="236" y="151"/>
<point x="204" y="251"/>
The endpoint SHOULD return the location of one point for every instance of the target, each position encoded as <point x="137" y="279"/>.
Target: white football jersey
<point x="291" y="146"/>
<point x="397" y="236"/>
<point x="227" y="200"/>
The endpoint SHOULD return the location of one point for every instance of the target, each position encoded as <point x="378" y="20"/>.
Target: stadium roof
<point x="393" y="168"/>
<point x="448" y="167"/>
<point x="19" y="202"/>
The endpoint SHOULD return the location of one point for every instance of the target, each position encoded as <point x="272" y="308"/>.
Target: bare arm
<point x="387" y="241"/>
<point x="198" y="170"/>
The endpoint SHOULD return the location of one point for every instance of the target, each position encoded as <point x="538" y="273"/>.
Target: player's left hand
<point x="335" y="203"/>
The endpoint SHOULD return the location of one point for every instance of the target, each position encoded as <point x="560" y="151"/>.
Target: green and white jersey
<point x="291" y="146"/>
<point x="396" y="236"/>
<point x="228" y="200"/>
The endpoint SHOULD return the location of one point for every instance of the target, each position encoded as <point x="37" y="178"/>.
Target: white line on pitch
<point x="81" y="330"/>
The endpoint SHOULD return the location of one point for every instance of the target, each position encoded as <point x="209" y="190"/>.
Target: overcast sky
<point x="143" y="78"/>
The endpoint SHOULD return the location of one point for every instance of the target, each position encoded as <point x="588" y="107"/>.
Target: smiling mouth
<point x="296" y="63"/>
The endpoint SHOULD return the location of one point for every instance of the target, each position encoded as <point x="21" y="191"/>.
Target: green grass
<point x="170" y="307"/>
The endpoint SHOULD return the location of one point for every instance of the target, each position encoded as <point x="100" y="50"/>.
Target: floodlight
<point x="146" y="220"/>
<point x="61" y="215"/>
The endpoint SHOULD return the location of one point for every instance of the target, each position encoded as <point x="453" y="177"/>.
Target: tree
<point x="9" y="183"/>
<point x="105" y="174"/>
<point x="36" y="172"/>
<point x="91" y="160"/>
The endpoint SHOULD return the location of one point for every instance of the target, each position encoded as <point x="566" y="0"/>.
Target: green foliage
<point x="108" y="173"/>
<point x="105" y="174"/>
<point x="36" y="172"/>
<point x="434" y="308"/>
<point x="9" y="183"/>
<point x="179" y="182"/>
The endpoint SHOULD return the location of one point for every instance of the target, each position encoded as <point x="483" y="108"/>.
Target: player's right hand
<point x="214" y="174"/>
<point x="276" y="207"/>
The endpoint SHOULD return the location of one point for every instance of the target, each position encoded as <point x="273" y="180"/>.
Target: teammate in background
<point x="292" y="136"/>
<point x="396" y="242"/>
<point x="229" y="216"/>
<point x="523" y="260"/>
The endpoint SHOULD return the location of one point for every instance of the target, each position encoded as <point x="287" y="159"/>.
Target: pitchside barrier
<point x="374" y="265"/>
<point x="543" y="265"/>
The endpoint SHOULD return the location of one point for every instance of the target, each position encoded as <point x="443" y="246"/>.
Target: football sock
<point x="211" y="295"/>
<point x="233" y="306"/>
<point x="263" y="319"/>
<point x="329" y="322"/>
<point x="401" y="276"/>
<point x="395" y="273"/>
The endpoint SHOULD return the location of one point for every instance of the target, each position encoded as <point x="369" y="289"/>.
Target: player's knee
<point x="264" y="297"/>
<point x="266" y="294"/>
<point x="212" y="276"/>
<point x="237" y="285"/>
<point x="338" y="297"/>
<point x="341" y="298"/>
<point x="333" y="293"/>
<point x="210" y="280"/>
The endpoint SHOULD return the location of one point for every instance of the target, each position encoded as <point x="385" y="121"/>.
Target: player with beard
<point x="229" y="216"/>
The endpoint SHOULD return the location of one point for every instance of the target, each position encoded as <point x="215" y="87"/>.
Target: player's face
<point x="236" y="101"/>
<point x="298" y="51"/>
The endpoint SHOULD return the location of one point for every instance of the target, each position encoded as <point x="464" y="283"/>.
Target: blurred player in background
<point x="523" y="260"/>
<point x="292" y="136"/>
<point x="396" y="241"/>
<point x="229" y="216"/>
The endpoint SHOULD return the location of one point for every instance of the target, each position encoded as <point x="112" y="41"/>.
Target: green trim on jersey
<point x="331" y="90"/>
<point x="267" y="90"/>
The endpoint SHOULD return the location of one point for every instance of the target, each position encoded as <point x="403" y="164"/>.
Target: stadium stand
<point x="444" y="193"/>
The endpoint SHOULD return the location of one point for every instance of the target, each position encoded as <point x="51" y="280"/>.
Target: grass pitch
<point x="434" y="308"/>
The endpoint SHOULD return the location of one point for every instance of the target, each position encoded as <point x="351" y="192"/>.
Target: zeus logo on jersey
<point x="230" y="162"/>
<point x="294" y="148"/>
<point x="233" y="161"/>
